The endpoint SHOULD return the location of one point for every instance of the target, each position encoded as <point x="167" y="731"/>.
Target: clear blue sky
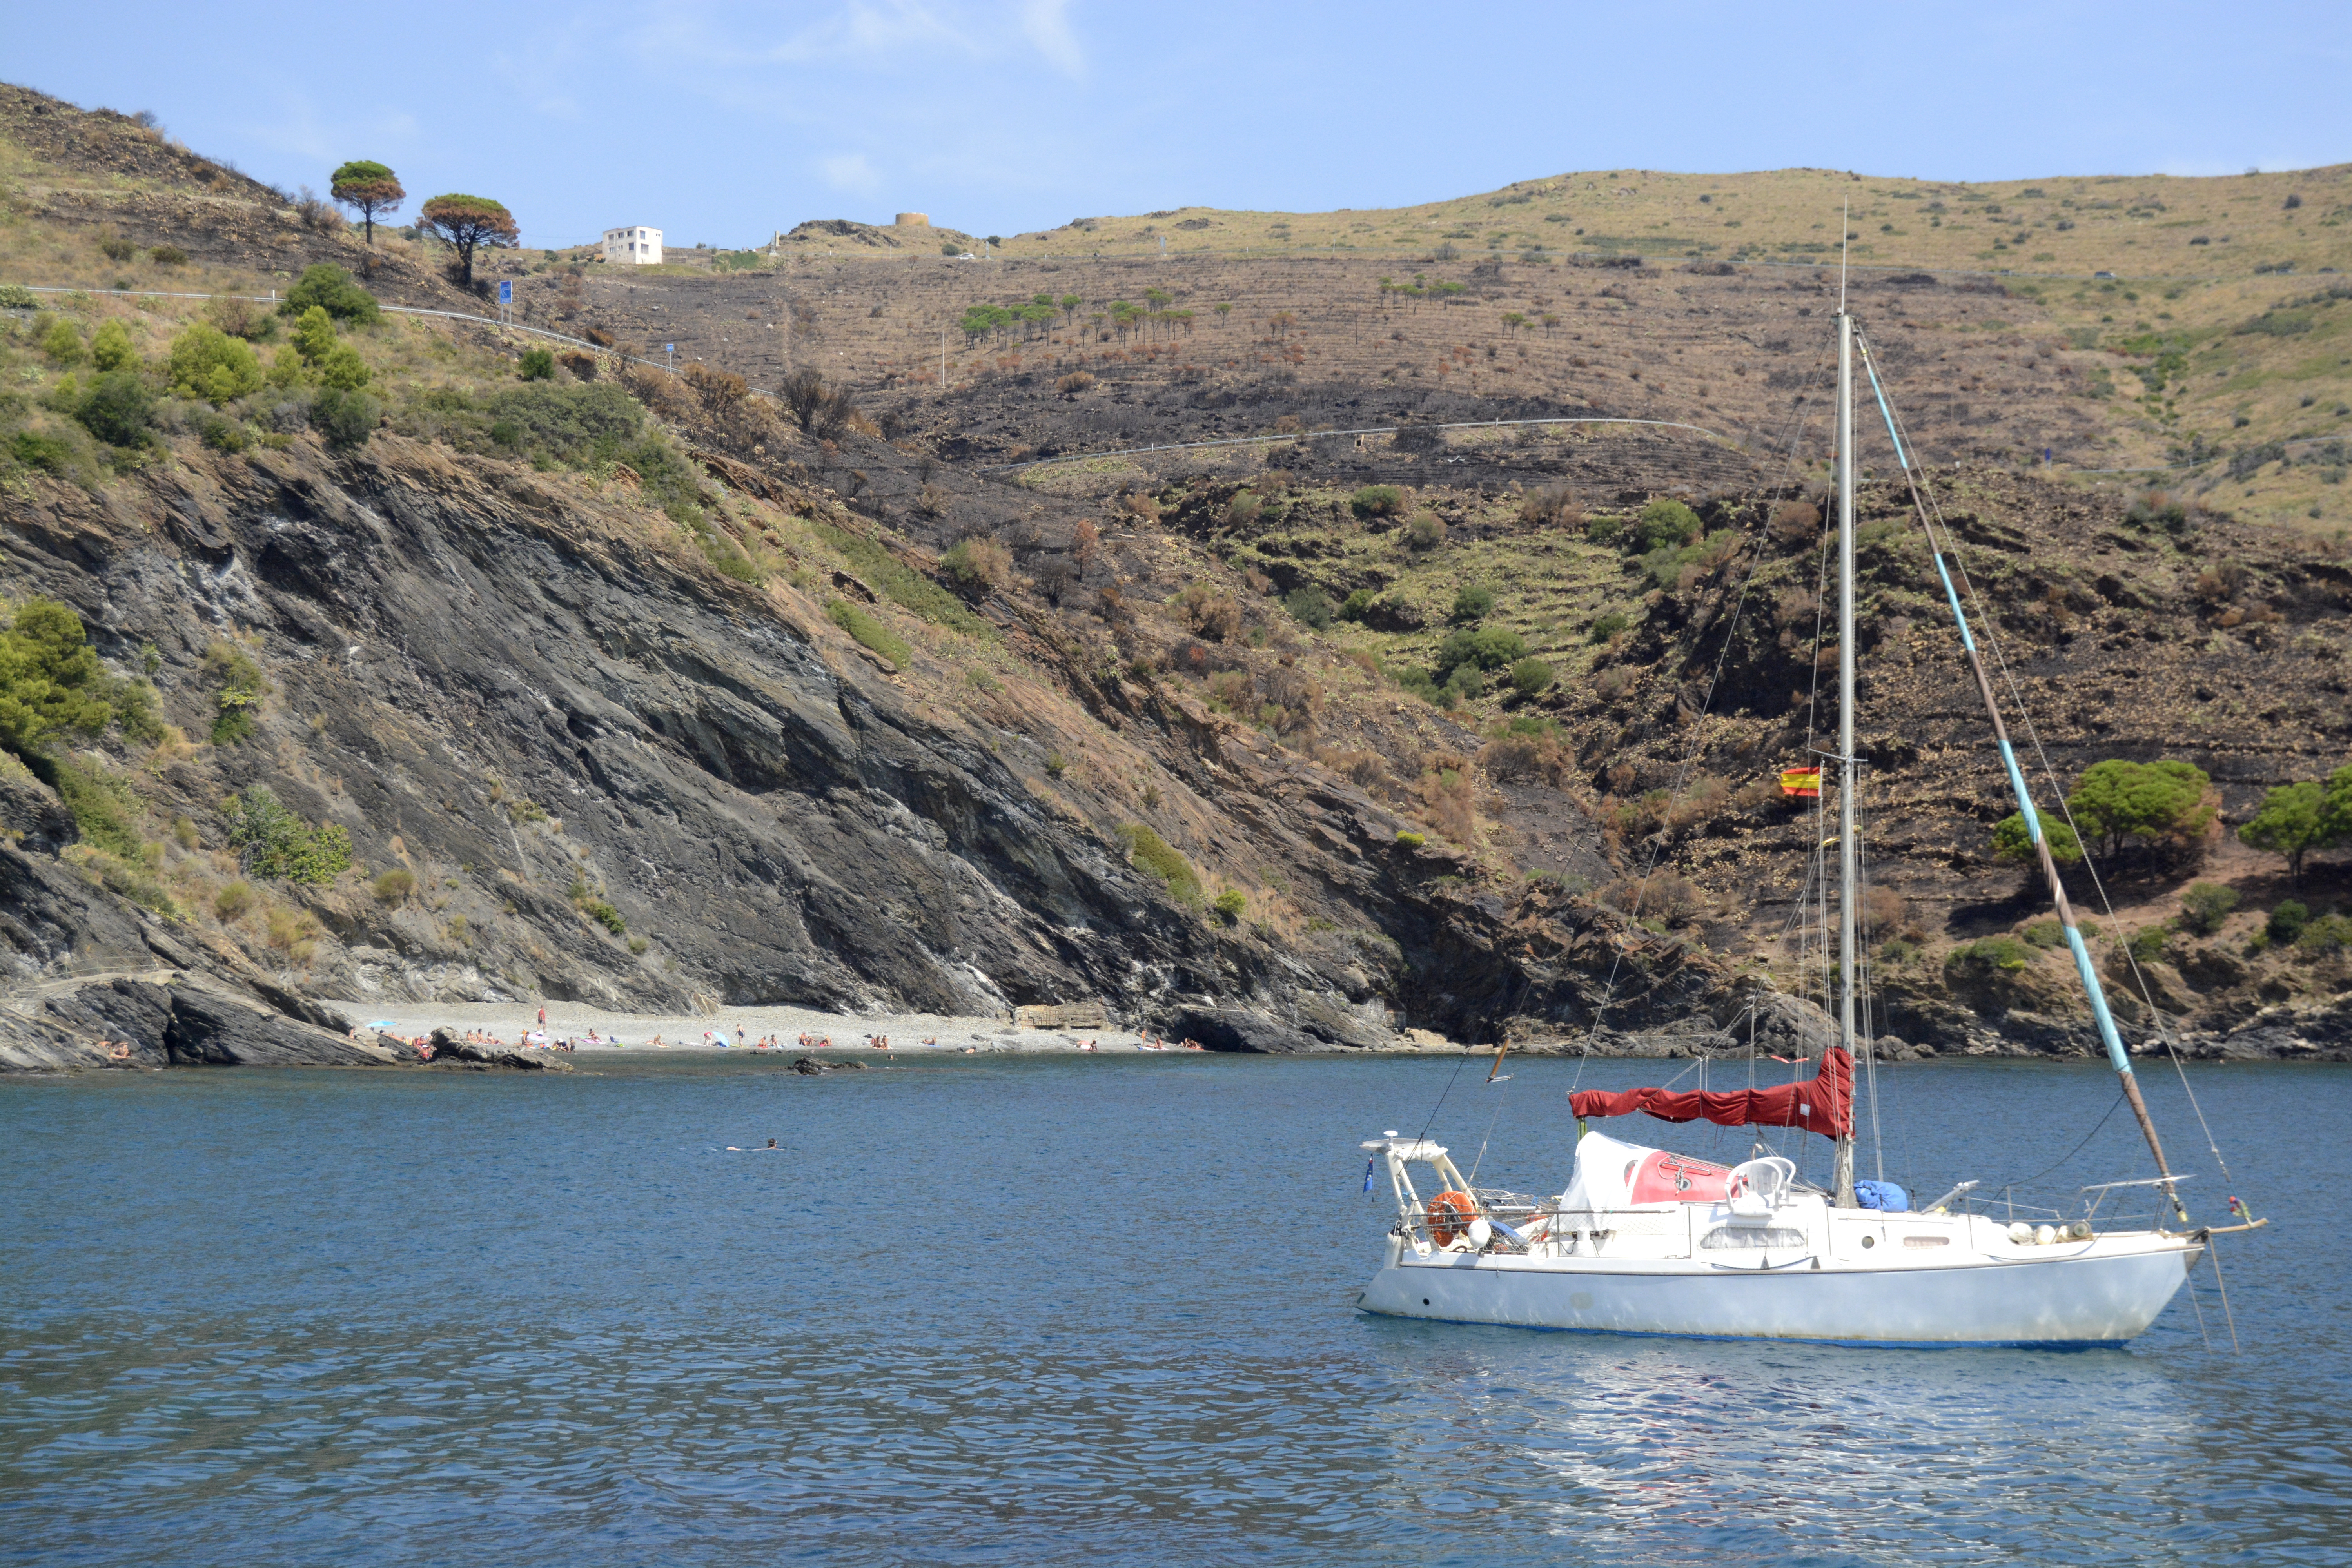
<point x="722" y="121"/>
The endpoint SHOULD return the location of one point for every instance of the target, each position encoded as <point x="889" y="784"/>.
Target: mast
<point x="1841" y="1170"/>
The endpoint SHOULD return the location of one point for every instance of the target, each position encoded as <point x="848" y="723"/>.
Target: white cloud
<point x="873" y="32"/>
<point x="850" y="171"/>
<point x="1047" y="25"/>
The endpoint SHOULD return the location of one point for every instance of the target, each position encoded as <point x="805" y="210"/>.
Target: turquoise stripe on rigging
<point x="1885" y="413"/>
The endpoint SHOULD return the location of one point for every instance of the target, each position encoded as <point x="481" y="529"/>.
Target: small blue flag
<point x="1368" y="1174"/>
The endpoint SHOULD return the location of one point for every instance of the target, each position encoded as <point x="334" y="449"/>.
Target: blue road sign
<point x="669" y="348"/>
<point x="505" y="291"/>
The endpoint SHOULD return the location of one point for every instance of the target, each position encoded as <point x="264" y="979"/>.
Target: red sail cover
<point x="1824" y="1104"/>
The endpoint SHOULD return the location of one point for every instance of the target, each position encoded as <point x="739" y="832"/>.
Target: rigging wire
<point x="1990" y="635"/>
<point x="1690" y="760"/>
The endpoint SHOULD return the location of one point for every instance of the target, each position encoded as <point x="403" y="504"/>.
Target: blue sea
<point x="1077" y="1310"/>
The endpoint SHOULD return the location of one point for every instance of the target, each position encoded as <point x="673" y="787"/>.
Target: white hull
<point x="2100" y="1292"/>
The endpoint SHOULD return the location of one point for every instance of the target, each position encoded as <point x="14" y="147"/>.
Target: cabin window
<point x="1750" y="1237"/>
<point x="1927" y="1241"/>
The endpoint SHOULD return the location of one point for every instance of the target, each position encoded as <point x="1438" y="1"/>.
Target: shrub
<point x="394" y="886"/>
<point x="1796" y="522"/>
<point x="1214" y="615"/>
<point x="1243" y="509"/>
<point x="1057" y="764"/>
<point x="2206" y="905"/>
<point x="1358" y="604"/>
<point x="1230" y="906"/>
<point x="869" y="631"/>
<point x="1377" y="501"/>
<point x="2287" y="920"/>
<point x="602" y="912"/>
<point x="1604" y="529"/>
<point x="2159" y="508"/>
<point x="117" y="409"/>
<point x="62" y="343"/>
<point x="978" y="563"/>
<point x="35" y="450"/>
<point x="50" y="681"/>
<point x="1407" y="839"/>
<point x="234" y="901"/>
<point x="242" y="688"/>
<point x="2002" y="955"/>
<point x="168" y="255"/>
<point x="536" y="364"/>
<point x="902" y="584"/>
<point x="1664" y="523"/>
<point x="1473" y="603"/>
<point x="2045" y="932"/>
<point x="2327" y="933"/>
<point x="1530" y="676"/>
<point x="207" y="362"/>
<point x="16" y="297"/>
<point x="274" y="842"/>
<point x="1312" y="606"/>
<point x="2146" y="944"/>
<point x="1551" y="505"/>
<point x="327" y="287"/>
<point x="1148" y="851"/>
<point x="346" y="419"/>
<point x="1490" y="648"/>
<point x="1076" y="381"/>
<point x="1607" y="625"/>
<point x="2011" y="842"/>
<point x="1425" y="531"/>
<point x="112" y="350"/>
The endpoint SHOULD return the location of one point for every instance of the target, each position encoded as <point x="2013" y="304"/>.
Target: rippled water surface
<point x="1055" y="1310"/>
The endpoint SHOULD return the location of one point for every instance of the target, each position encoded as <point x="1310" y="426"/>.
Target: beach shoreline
<point x="624" y="1033"/>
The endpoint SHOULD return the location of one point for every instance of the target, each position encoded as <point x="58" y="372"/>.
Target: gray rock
<point x="211" y="1030"/>
<point x="30" y="811"/>
<point x="1242" y="1029"/>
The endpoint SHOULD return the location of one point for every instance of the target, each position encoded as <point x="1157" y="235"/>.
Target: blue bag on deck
<point x="1884" y="1196"/>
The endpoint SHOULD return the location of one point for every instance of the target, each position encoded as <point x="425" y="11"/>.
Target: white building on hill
<point x="641" y="247"/>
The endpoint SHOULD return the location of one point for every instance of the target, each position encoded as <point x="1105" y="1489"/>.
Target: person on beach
<point x="543" y="1017"/>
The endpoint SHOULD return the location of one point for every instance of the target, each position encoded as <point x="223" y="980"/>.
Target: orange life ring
<point x="1450" y="1215"/>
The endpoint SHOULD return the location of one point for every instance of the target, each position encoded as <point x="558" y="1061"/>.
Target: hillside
<point x="639" y="689"/>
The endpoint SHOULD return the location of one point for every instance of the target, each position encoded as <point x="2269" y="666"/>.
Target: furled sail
<point x="1823" y="1104"/>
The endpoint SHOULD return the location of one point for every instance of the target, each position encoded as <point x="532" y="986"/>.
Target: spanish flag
<point x="1801" y="781"/>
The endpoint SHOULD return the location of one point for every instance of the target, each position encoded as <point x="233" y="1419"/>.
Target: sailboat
<point x="1646" y="1241"/>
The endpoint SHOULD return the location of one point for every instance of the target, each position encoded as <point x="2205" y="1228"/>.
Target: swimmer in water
<point x="771" y="1149"/>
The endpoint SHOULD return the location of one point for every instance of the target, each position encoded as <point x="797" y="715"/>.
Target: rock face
<point x="165" y="1020"/>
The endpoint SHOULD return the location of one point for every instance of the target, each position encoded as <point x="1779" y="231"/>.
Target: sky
<point x="723" y="121"/>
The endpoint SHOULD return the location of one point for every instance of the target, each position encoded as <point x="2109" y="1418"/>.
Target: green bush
<point x="1408" y="839"/>
<point x="1312" y="606"/>
<point x="346" y="419"/>
<point x="1357" y="604"/>
<point x="1664" y="523"/>
<point x="117" y="409"/>
<point x="394" y="886"/>
<point x="16" y="297"/>
<point x="2327" y="933"/>
<point x="2046" y="934"/>
<point x="869" y="631"/>
<point x="536" y="364"/>
<point x="2287" y="920"/>
<point x="602" y="912"/>
<point x="35" y="450"/>
<point x="1230" y="906"/>
<point x="207" y="362"/>
<point x="50" y="681"/>
<point x="1471" y="604"/>
<point x="274" y="843"/>
<point x="325" y="286"/>
<point x="1488" y="648"/>
<point x="112" y="350"/>
<point x="1602" y="529"/>
<point x="1377" y="501"/>
<point x="1608" y="624"/>
<point x="234" y="901"/>
<point x="1425" y="531"/>
<point x="2146" y="943"/>
<point x="98" y="805"/>
<point x="2011" y="842"/>
<point x="2005" y="955"/>
<point x="1148" y="851"/>
<point x="241" y="685"/>
<point x="2206" y="905"/>
<point x="1530" y="676"/>
<point x="62" y="343"/>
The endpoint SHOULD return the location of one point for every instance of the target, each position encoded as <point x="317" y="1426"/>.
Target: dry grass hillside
<point x="655" y="690"/>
